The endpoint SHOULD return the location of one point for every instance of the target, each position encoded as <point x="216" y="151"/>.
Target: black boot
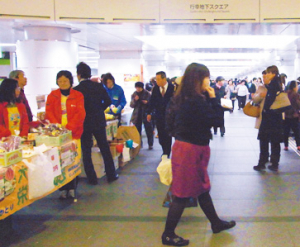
<point x="217" y="225"/>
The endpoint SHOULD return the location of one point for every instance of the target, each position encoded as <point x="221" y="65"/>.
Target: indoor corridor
<point x="129" y="212"/>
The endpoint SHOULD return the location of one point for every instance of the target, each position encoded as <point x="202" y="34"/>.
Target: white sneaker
<point x="63" y="194"/>
<point x="71" y="193"/>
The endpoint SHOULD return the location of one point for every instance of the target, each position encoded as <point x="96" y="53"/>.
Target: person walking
<point x="231" y="93"/>
<point x="160" y="97"/>
<point x="190" y="116"/>
<point x="242" y="92"/>
<point x="96" y="100"/>
<point x="139" y="101"/>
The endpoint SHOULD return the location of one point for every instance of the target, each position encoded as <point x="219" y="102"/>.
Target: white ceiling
<point x="227" y="49"/>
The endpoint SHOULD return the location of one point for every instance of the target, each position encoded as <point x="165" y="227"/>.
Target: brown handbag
<point x="251" y="110"/>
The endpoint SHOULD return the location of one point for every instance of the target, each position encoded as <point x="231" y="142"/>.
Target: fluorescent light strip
<point x="218" y="41"/>
<point x="7" y="44"/>
<point x="190" y="55"/>
<point x="87" y="52"/>
<point x="89" y="57"/>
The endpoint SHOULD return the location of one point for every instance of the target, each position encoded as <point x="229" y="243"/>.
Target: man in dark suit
<point x="160" y="97"/>
<point x="96" y="100"/>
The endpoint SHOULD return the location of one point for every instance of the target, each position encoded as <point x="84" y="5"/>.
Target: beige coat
<point x="258" y="99"/>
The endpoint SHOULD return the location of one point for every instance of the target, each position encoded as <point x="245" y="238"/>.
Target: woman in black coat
<point x="271" y="128"/>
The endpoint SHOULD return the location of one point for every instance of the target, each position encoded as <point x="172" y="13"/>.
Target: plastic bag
<point x="40" y="176"/>
<point x="164" y="170"/>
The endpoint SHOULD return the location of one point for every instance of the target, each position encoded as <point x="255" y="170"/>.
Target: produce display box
<point x="10" y="158"/>
<point x="54" y="141"/>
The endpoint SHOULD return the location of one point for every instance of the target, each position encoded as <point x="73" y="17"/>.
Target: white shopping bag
<point x="40" y="176"/>
<point x="226" y="103"/>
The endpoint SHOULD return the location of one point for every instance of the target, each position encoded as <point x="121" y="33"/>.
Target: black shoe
<point x="150" y="147"/>
<point x="225" y="225"/>
<point x="222" y="134"/>
<point x="114" y="178"/>
<point x="259" y="167"/>
<point x="273" y="167"/>
<point x="174" y="241"/>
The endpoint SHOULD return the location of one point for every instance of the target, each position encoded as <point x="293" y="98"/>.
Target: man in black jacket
<point x="252" y="87"/>
<point x="160" y="97"/>
<point x="96" y="100"/>
<point x="220" y="93"/>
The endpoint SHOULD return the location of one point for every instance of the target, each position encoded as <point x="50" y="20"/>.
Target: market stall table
<point x="15" y="190"/>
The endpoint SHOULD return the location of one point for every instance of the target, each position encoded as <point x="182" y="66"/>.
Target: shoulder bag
<point x="251" y="110"/>
<point x="281" y="103"/>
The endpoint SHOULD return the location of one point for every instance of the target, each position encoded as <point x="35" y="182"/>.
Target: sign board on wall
<point x="279" y="11"/>
<point x="130" y="79"/>
<point x="4" y="58"/>
<point x="212" y="11"/>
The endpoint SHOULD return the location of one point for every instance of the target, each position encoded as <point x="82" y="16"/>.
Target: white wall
<point x="118" y="68"/>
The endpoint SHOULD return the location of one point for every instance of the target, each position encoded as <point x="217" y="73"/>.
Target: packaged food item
<point x="2" y="174"/>
<point x="11" y="143"/>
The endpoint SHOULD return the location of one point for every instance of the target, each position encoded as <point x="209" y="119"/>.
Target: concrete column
<point x="45" y="51"/>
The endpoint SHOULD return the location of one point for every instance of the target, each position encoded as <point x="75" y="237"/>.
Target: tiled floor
<point x="129" y="212"/>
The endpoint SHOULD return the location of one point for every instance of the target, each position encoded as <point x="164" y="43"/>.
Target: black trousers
<point x="86" y="146"/>
<point x="233" y="100"/>
<point x="148" y="129"/>
<point x="264" y="151"/>
<point x="164" y="139"/>
<point x="288" y="124"/>
<point x="241" y="101"/>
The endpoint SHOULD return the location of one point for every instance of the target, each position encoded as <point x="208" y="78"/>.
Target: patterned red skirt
<point x="189" y="168"/>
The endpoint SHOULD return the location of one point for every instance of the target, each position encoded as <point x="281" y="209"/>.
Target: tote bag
<point x="281" y="103"/>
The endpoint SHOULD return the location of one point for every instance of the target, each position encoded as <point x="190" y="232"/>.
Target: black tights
<point x="177" y="207"/>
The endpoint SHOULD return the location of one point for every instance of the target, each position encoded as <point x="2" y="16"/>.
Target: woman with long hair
<point x="190" y="115"/>
<point x="13" y="115"/>
<point x="270" y="130"/>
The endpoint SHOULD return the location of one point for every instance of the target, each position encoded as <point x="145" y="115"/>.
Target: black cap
<point x="220" y="78"/>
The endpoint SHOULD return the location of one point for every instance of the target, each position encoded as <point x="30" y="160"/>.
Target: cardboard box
<point x="130" y="132"/>
<point x="54" y="141"/>
<point x="99" y="163"/>
<point x="10" y="158"/>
